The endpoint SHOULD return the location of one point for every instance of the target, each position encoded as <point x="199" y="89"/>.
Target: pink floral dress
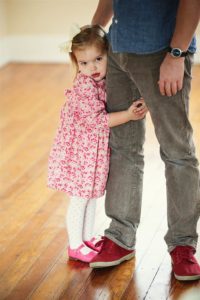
<point x="79" y="158"/>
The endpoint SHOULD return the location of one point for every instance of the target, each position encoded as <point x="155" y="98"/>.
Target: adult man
<point x="152" y="47"/>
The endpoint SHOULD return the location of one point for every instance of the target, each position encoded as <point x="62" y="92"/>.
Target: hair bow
<point x="67" y="46"/>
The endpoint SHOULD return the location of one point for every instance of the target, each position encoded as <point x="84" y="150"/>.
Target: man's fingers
<point x="179" y="85"/>
<point x="161" y="87"/>
<point x="170" y="88"/>
<point x="174" y="88"/>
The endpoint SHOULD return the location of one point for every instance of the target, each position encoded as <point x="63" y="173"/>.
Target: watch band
<point x="177" y="52"/>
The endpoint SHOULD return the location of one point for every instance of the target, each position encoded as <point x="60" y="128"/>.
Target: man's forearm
<point x="186" y="23"/>
<point x="103" y="13"/>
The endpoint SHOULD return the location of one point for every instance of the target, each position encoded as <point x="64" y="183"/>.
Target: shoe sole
<point x="111" y="263"/>
<point x="76" y="259"/>
<point x="187" y="278"/>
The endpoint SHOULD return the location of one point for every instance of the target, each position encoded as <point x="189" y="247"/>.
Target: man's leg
<point x="125" y="181"/>
<point x="174" y="133"/>
<point x="124" y="187"/>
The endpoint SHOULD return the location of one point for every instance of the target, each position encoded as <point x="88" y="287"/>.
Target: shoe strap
<point x="99" y="243"/>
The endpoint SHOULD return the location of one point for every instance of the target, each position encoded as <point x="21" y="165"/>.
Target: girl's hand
<point x="137" y="110"/>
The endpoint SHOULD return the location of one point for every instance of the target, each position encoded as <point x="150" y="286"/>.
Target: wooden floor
<point x="33" y="239"/>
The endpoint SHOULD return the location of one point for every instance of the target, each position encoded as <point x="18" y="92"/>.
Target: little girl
<point x="79" y="159"/>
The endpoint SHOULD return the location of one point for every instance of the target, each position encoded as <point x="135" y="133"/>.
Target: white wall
<point x="31" y="30"/>
<point x="4" y="57"/>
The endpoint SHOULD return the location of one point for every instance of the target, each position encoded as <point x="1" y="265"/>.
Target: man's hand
<point x="171" y="75"/>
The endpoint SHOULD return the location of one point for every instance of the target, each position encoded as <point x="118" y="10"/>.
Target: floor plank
<point x="33" y="239"/>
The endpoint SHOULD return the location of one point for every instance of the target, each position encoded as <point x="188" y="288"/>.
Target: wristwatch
<point x="177" y="52"/>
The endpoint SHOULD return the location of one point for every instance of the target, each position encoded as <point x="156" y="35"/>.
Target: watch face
<point x="176" y="52"/>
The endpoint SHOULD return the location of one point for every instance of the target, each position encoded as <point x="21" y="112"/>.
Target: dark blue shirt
<point x="143" y="26"/>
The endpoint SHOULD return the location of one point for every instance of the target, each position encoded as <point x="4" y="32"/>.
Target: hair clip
<point x="67" y="46"/>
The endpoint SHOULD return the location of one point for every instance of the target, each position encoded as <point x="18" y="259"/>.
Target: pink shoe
<point x="76" y="254"/>
<point x="95" y="244"/>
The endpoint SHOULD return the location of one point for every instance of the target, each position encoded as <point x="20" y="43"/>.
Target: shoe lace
<point x="183" y="253"/>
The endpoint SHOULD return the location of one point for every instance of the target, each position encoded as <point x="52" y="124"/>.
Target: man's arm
<point x="187" y="19"/>
<point x="103" y="13"/>
<point x="172" y="69"/>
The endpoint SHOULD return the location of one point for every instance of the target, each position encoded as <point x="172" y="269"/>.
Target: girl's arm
<point x="132" y="113"/>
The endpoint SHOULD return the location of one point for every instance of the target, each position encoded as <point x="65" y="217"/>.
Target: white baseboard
<point x="39" y="48"/>
<point x="4" y="53"/>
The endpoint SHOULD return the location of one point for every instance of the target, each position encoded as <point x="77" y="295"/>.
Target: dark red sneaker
<point x="184" y="264"/>
<point x="95" y="243"/>
<point x="111" y="255"/>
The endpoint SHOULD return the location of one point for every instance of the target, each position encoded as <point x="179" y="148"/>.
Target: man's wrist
<point x="176" y="52"/>
<point x="173" y="59"/>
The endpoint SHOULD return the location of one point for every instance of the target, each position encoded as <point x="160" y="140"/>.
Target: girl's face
<point x="92" y="62"/>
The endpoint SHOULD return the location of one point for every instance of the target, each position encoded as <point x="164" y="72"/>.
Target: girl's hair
<point x="90" y="35"/>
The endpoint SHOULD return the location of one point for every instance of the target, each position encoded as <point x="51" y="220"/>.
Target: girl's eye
<point x="83" y="63"/>
<point x="99" y="58"/>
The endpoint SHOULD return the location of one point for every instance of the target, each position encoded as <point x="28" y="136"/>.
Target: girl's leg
<point x="74" y="221"/>
<point x="89" y="220"/>
<point x="88" y="227"/>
